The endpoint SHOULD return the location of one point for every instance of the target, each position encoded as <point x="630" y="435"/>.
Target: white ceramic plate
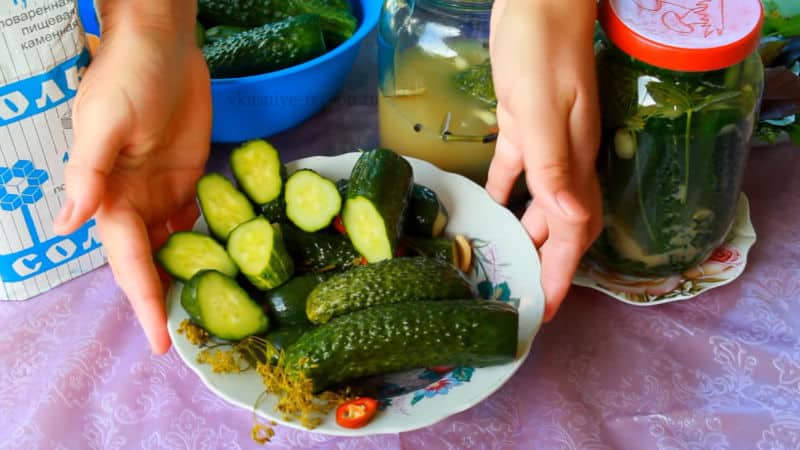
<point x="724" y="266"/>
<point x="507" y="268"/>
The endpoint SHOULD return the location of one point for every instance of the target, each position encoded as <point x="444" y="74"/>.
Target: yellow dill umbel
<point x="291" y="386"/>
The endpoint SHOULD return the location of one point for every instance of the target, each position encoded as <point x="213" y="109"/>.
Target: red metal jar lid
<point x="684" y="35"/>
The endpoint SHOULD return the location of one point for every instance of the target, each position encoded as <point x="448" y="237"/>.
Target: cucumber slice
<point x="312" y="201"/>
<point x="224" y="207"/>
<point x="377" y="199"/>
<point x="259" y="172"/>
<point x="187" y="252"/>
<point x="222" y="307"/>
<point x="426" y="215"/>
<point x="259" y="252"/>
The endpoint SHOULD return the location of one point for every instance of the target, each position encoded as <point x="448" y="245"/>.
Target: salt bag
<point x="42" y="58"/>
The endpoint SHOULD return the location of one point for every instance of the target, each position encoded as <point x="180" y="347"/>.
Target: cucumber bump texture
<point x="390" y="338"/>
<point x="390" y="281"/>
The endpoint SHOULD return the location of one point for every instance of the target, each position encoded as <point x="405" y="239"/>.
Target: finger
<point x="158" y="235"/>
<point x="101" y="125"/>
<point x="498" y="9"/>
<point x="127" y="245"/>
<point x="535" y="223"/>
<point x="505" y="168"/>
<point x="560" y="259"/>
<point x="185" y="218"/>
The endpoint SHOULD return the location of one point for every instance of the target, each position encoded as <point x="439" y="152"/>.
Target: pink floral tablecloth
<point x="721" y="371"/>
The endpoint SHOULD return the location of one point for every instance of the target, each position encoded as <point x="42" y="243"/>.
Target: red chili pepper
<point x="338" y="224"/>
<point x="356" y="413"/>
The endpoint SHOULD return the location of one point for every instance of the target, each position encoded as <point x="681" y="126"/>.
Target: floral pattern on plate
<point x="724" y="265"/>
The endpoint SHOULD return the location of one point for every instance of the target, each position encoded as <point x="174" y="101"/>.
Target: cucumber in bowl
<point x="266" y="48"/>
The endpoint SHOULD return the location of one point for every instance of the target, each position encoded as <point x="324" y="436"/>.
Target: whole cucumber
<point x="338" y="23"/>
<point x="266" y="48"/>
<point x="389" y="281"/>
<point x="391" y="338"/>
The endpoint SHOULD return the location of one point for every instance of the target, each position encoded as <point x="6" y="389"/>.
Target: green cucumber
<point x="259" y="172"/>
<point x="258" y="249"/>
<point x="282" y="338"/>
<point x="266" y="48"/>
<point x="337" y="21"/>
<point x="392" y="338"/>
<point x="224" y="207"/>
<point x="377" y="198"/>
<point x="220" y="32"/>
<point x="319" y="252"/>
<point x="217" y="303"/>
<point x="287" y="303"/>
<point x="187" y="252"/>
<point x="390" y="281"/>
<point x="427" y="215"/>
<point x="312" y="201"/>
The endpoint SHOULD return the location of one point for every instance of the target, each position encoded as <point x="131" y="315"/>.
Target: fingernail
<point x="64" y="215"/>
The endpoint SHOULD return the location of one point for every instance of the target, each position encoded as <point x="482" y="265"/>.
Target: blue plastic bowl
<point x="259" y="106"/>
<point x="262" y="105"/>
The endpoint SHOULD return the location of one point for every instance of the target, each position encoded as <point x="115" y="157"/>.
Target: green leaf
<point x="780" y="19"/>
<point x="723" y="100"/>
<point x="672" y="100"/>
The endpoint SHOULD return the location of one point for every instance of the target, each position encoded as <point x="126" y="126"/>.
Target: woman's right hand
<point x="543" y="62"/>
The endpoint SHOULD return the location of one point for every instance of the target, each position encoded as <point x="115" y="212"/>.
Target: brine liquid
<point x="412" y="117"/>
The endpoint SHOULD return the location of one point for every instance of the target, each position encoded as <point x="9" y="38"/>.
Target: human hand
<point x="142" y="121"/>
<point x="544" y="74"/>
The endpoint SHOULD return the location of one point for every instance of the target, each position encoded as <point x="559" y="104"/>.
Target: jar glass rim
<point x="461" y="5"/>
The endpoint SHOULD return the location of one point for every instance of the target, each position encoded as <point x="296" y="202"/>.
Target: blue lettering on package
<point x="21" y="187"/>
<point x="37" y="94"/>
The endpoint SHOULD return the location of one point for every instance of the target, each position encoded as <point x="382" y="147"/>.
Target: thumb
<point x="101" y="121"/>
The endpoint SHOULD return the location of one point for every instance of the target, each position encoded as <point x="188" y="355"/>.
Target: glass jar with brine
<point x="436" y="97"/>
<point x="680" y="86"/>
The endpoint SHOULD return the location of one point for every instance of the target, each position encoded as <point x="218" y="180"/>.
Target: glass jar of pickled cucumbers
<point x="680" y="86"/>
<point x="436" y="97"/>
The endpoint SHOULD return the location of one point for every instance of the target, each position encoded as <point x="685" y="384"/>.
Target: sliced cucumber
<point x="312" y="201"/>
<point x="259" y="252"/>
<point x="258" y="170"/>
<point x="187" y="252"/>
<point x="222" y="307"/>
<point x="377" y="200"/>
<point x="224" y="207"/>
